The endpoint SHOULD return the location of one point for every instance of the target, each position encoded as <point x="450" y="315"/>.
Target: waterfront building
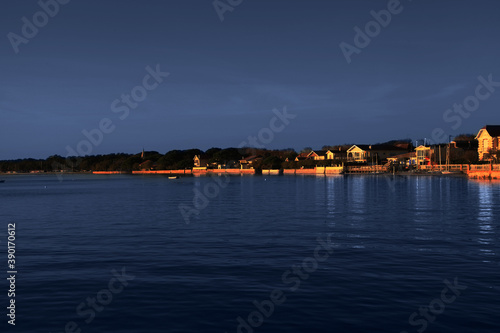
<point x="488" y="138"/>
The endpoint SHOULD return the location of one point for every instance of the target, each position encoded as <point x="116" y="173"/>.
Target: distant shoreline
<point x="403" y="173"/>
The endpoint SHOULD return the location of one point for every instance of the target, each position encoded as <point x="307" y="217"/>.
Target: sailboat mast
<point x="440" y="157"/>
<point x="448" y="155"/>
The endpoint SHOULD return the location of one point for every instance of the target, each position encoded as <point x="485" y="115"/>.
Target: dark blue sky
<point x="227" y="77"/>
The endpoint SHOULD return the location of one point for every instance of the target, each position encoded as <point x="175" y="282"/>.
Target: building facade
<point x="488" y="139"/>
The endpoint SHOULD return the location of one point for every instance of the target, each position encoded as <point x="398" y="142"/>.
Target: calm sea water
<point x="394" y="240"/>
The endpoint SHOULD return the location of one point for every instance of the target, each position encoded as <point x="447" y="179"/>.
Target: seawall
<point x="225" y="171"/>
<point x="315" y="171"/>
<point x="110" y="172"/>
<point x="490" y="171"/>
<point x="481" y="171"/>
<point x="163" y="172"/>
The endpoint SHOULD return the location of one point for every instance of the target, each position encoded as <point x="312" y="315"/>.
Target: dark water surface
<point x="393" y="243"/>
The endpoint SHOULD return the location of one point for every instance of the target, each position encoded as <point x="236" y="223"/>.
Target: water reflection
<point x="357" y="197"/>
<point x="331" y="183"/>
<point x="485" y="211"/>
<point x="423" y="198"/>
<point x="320" y="192"/>
<point x="485" y="216"/>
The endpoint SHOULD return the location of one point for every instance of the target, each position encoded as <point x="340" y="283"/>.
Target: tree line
<point x="183" y="159"/>
<point x="172" y="160"/>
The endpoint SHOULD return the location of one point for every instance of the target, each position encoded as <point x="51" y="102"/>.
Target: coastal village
<point x="475" y="155"/>
<point x="456" y="157"/>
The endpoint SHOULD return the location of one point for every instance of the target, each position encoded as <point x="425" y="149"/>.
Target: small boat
<point x="2" y="180"/>
<point x="173" y="177"/>
<point x="447" y="172"/>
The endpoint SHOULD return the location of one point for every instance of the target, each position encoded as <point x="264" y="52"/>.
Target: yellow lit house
<point x="337" y="153"/>
<point x="357" y="153"/>
<point x="199" y="162"/>
<point x="488" y="139"/>
<point x="317" y="156"/>
<point x="378" y="152"/>
<point x="424" y="155"/>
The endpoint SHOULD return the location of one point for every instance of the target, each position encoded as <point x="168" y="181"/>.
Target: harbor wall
<point x="224" y="171"/>
<point x="162" y="172"/>
<point x="110" y="172"/>
<point x="334" y="170"/>
<point x="491" y="171"/>
<point x="305" y="171"/>
<point x="480" y="171"/>
<point x="271" y="171"/>
<point x="315" y="171"/>
<point x="180" y="172"/>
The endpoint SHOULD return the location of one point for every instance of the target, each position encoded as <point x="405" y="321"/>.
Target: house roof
<point x="362" y="147"/>
<point x="318" y="153"/>
<point x="312" y="153"/>
<point x="378" y="147"/>
<point x="337" y="152"/>
<point x="493" y="130"/>
<point x="469" y="144"/>
<point x="340" y="148"/>
<point x="251" y="158"/>
<point x="201" y="157"/>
